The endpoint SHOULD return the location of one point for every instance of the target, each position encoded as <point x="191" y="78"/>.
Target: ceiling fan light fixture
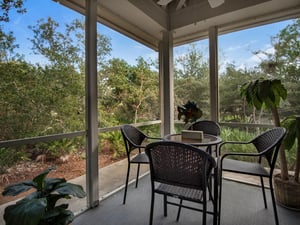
<point x="215" y="3"/>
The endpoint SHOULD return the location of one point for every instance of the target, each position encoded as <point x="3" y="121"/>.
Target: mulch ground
<point x="73" y="167"/>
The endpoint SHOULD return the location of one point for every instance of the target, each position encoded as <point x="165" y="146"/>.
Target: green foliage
<point x="7" y="5"/>
<point x="193" y="64"/>
<point x="113" y="141"/>
<point x="10" y="157"/>
<point x="59" y="147"/>
<point x="291" y="140"/>
<point x="37" y="101"/>
<point x="129" y="94"/>
<point x="65" y="48"/>
<point x="191" y="79"/>
<point x="264" y="93"/>
<point x="284" y="64"/>
<point x="151" y="130"/>
<point x="293" y="131"/>
<point x="7" y="47"/>
<point x="39" y="207"/>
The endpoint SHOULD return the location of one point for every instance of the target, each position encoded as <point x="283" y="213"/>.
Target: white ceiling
<point x="145" y="20"/>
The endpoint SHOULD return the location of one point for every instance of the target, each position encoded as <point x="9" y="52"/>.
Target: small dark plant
<point x="189" y="111"/>
<point x="39" y="207"/>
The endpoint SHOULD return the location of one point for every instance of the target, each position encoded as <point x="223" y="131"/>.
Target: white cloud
<point x="241" y="46"/>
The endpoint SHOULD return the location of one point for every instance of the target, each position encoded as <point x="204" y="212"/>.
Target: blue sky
<point x="234" y="48"/>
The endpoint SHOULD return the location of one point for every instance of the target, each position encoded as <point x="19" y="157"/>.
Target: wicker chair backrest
<point x="179" y="164"/>
<point x="207" y="126"/>
<point x="269" y="142"/>
<point x="132" y="136"/>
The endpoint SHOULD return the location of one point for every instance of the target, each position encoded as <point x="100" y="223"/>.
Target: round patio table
<point x="207" y="141"/>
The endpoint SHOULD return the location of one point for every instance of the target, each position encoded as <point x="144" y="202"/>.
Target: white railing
<point x="55" y="137"/>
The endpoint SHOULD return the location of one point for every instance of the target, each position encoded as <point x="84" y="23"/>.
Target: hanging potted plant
<point x="267" y="93"/>
<point x="39" y="207"/>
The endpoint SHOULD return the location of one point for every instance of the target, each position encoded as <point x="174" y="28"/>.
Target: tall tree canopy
<point x="8" y="5"/>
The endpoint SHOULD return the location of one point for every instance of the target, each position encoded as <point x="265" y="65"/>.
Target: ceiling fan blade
<point x="164" y="2"/>
<point x="215" y="3"/>
<point x="180" y="4"/>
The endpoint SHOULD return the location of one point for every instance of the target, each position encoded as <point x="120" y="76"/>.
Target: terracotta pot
<point x="287" y="193"/>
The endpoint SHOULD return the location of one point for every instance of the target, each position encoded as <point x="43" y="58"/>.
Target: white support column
<point x="166" y="74"/>
<point x="92" y="178"/>
<point x="213" y="74"/>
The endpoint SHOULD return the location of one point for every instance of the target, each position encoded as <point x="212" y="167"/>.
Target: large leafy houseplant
<point x="292" y="124"/>
<point x="267" y="93"/>
<point x="39" y="207"/>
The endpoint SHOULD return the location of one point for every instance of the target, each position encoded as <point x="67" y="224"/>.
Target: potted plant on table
<point x="39" y="207"/>
<point x="190" y="112"/>
<point x="267" y="93"/>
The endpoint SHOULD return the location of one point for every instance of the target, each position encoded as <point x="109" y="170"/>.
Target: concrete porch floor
<point x="242" y="204"/>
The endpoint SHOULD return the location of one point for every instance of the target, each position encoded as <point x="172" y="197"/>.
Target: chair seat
<point x="140" y="158"/>
<point x="180" y="192"/>
<point x="237" y="166"/>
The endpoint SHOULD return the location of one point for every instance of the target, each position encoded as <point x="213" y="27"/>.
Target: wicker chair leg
<point x="204" y="208"/>
<point x="165" y="206"/>
<point x="151" y="208"/>
<point x="126" y="184"/>
<point x="263" y="191"/>
<point x="220" y="197"/>
<point x="274" y="202"/>
<point x="179" y="210"/>
<point x="137" y="175"/>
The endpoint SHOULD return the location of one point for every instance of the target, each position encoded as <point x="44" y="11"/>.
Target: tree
<point x="7" y="40"/>
<point x="7" y="47"/>
<point x="192" y="64"/>
<point x="232" y="107"/>
<point x="191" y="79"/>
<point x="130" y="93"/>
<point x="65" y="48"/>
<point x="7" y="5"/>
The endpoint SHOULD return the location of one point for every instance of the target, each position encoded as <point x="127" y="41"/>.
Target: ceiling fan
<point x="181" y="3"/>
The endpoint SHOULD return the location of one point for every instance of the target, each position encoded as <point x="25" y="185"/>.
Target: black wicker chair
<point x="208" y="127"/>
<point x="134" y="139"/>
<point x="267" y="145"/>
<point x="181" y="171"/>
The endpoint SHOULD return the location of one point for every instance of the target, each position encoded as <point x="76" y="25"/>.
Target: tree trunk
<point x="297" y="169"/>
<point x="283" y="162"/>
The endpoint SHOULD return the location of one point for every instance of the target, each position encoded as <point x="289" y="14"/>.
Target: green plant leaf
<point x="39" y="180"/>
<point x="53" y="198"/>
<point x="51" y="183"/>
<point x="70" y="189"/>
<point x="29" y="212"/>
<point x="15" y="189"/>
<point x="293" y="129"/>
<point x="263" y="93"/>
<point x="59" y="216"/>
